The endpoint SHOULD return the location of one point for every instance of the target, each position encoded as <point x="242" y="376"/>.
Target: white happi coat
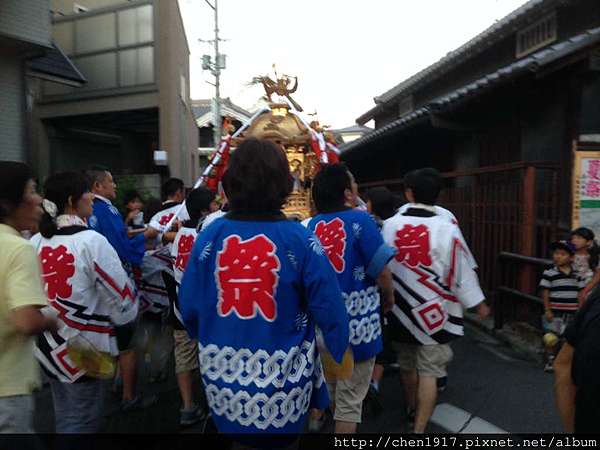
<point x="162" y="217"/>
<point x="181" y="251"/>
<point x="154" y="296"/>
<point x="448" y="215"/>
<point x="433" y="276"/>
<point x="88" y="290"/>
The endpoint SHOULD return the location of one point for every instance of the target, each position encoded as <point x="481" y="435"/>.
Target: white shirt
<point x="211" y="218"/>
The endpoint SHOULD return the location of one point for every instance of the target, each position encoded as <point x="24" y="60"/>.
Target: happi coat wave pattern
<point x="353" y="243"/>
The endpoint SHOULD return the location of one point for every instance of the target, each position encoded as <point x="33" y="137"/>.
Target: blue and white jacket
<point x="252" y="292"/>
<point x="353" y="243"/>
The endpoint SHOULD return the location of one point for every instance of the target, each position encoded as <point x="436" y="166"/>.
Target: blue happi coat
<point x="107" y="221"/>
<point x="358" y="255"/>
<point x="252" y="292"/>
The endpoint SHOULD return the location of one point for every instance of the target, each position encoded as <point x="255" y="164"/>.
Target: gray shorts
<point x="16" y="414"/>
<point x="79" y="407"/>
<point x="427" y="360"/>
<point x="348" y="395"/>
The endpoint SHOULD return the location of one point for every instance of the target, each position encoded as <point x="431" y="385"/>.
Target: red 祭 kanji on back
<point x="413" y="246"/>
<point x="165" y="219"/>
<point x="247" y="277"/>
<point x="184" y="250"/>
<point x="333" y="239"/>
<point x="57" y="267"/>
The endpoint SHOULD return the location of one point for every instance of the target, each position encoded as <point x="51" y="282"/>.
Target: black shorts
<point x="124" y="334"/>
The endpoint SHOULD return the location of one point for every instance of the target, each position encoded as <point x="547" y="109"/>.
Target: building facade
<point x="204" y="114"/>
<point x="24" y="34"/>
<point x="134" y="113"/>
<point x="503" y="117"/>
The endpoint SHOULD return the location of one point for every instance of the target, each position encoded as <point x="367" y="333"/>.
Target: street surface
<point x="490" y="389"/>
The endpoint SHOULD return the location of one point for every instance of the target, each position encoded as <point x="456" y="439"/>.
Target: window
<point x="536" y="36"/>
<point x="136" y="25"/>
<point x="136" y="66"/>
<point x="95" y="33"/>
<point x="183" y="90"/>
<point x="100" y="70"/>
<point x="62" y="33"/>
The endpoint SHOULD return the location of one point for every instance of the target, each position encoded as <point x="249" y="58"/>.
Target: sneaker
<point x="191" y="416"/>
<point x="442" y="383"/>
<point x="549" y="367"/>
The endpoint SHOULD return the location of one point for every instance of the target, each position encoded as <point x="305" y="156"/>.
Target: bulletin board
<point x="586" y="190"/>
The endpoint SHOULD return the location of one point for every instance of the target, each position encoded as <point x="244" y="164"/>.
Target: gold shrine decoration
<point x="282" y="86"/>
<point x="303" y="167"/>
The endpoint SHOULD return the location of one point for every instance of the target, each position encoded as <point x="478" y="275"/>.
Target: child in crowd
<point x="560" y="286"/>
<point x="585" y="261"/>
<point x="134" y="216"/>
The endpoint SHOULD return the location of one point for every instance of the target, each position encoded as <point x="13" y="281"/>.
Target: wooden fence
<point x="511" y="208"/>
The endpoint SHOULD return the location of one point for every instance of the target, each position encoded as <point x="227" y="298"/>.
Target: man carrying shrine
<point x="434" y="280"/>
<point x="173" y="193"/>
<point x="107" y="221"/>
<point x="354" y="246"/>
<point x="254" y="288"/>
<point x="199" y="203"/>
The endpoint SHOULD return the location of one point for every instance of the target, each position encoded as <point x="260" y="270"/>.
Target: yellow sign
<point x="586" y="190"/>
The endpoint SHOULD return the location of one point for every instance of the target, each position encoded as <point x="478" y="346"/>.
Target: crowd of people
<point x="284" y="320"/>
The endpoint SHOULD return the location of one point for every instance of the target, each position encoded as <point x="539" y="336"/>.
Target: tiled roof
<point x="474" y="46"/>
<point x="352" y="129"/>
<point x="204" y="106"/>
<point x="459" y="96"/>
<point x="56" y="66"/>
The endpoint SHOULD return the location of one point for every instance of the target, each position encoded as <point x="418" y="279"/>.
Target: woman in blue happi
<point x="254" y="288"/>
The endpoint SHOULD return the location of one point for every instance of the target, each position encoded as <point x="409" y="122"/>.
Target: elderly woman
<point x="254" y="288"/>
<point x="21" y="297"/>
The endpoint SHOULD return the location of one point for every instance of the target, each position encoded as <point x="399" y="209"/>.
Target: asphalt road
<point x="490" y="389"/>
<point x="487" y="382"/>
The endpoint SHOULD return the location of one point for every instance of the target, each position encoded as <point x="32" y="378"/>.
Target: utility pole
<point x="215" y="66"/>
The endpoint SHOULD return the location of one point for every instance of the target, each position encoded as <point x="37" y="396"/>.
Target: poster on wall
<point x="586" y="190"/>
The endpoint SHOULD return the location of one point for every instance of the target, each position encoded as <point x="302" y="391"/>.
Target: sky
<point x="344" y="52"/>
